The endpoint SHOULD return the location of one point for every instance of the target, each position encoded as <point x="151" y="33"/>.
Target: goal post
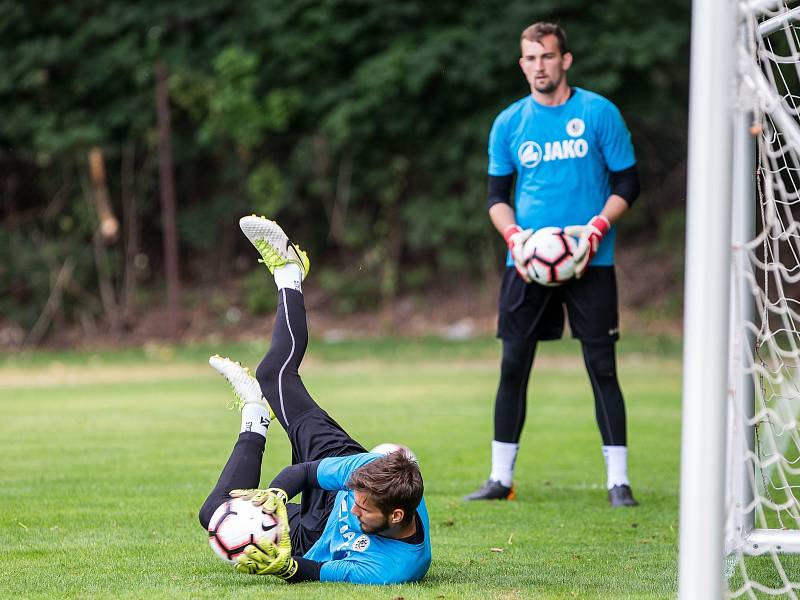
<point x="740" y="446"/>
<point x="708" y="235"/>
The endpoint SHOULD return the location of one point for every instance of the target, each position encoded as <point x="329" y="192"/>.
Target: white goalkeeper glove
<point x="516" y="237"/>
<point x="589" y="238"/>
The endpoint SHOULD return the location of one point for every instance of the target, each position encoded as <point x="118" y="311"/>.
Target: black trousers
<point x="530" y="313"/>
<point x="313" y="434"/>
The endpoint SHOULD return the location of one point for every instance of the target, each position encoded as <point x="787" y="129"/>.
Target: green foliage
<point x="265" y="189"/>
<point x="257" y="299"/>
<point x="360" y="125"/>
<point x="350" y="291"/>
<point x="198" y="224"/>
<point x="33" y="255"/>
<point x="235" y="111"/>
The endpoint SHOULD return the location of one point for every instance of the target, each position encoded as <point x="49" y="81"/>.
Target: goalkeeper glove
<point x="268" y="558"/>
<point x="516" y="237"/>
<point x="261" y="497"/>
<point x="265" y="558"/>
<point x="589" y="238"/>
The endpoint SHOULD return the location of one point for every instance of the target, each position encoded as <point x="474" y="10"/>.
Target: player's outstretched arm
<point x="262" y="560"/>
<point x="297" y="478"/>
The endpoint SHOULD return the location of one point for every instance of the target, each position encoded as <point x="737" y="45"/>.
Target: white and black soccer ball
<point x="550" y="256"/>
<point x="235" y="525"/>
<point x="389" y="447"/>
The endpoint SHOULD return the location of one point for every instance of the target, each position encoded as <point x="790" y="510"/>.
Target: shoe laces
<point x="269" y="255"/>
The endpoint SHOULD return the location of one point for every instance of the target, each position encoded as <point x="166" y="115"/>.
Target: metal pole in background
<point x="706" y="301"/>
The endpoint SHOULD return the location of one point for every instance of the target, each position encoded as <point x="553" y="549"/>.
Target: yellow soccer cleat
<point x="273" y="244"/>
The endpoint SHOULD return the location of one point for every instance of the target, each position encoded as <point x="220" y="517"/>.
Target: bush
<point x="258" y="298"/>
<point x="351" y="291"/>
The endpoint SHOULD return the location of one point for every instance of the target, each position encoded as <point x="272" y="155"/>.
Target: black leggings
<point x="242" y="471"/>
<point x="278" y="374"/>
<point x="313" y="433"/>
<point x="511" y="401"/>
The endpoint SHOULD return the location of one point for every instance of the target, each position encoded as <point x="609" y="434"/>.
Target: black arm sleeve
<point x="296" y="478"/>
<point x="307" y="570"/>
<point x="625" y="183"/>
<point x="499" y="190"/>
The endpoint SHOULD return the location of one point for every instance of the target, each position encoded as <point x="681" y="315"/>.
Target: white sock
<point x="288" y="276"/>
<point x="504" y="455"/>
<point x="616" y="465"/>
<point x="255" y="417"/>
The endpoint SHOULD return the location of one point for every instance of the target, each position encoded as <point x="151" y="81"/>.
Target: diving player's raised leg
<point x="243" y="469"/>
<point x="313" y="433"/>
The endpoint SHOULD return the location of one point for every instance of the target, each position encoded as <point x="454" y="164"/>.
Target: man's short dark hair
<point x="392" y="481"/>
<point x="537" y="31"/>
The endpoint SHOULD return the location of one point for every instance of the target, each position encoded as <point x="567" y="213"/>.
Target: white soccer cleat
<point x="273" y="244"/>
<point x="245" y="387"/>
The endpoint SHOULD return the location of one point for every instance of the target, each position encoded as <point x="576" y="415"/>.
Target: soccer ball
<point x="550" y="253"/>
<point x="235" y="525"/>
<point x="389" y="447"/>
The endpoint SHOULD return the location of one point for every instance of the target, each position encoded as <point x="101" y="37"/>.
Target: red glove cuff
<point x="509" y="231"/>
<point x="602" y="224"/>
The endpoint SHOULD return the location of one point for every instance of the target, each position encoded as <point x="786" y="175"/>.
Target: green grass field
<point x="106" y="459"/>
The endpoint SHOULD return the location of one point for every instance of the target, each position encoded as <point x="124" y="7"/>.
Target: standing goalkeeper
<point x="574" y="163"/>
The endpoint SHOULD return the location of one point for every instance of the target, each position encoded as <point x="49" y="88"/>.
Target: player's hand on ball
<point x="275" y="505"/>
<point x="265" y="558"/>
<point x="589" y="238"/>
<point x="262" y="498"/>
<point x="272" y="502"/>
<point x="516" y="237"/>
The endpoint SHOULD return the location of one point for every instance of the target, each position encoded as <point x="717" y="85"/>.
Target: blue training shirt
<point x="351" y="555"/>
<point x="562" y="156"/>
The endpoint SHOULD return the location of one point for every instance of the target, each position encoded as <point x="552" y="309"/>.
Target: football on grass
<point x="550" y="253"/>
<point x="236" y="524"/>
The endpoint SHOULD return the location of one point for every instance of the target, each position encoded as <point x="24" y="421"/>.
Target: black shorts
<point x="315" y="435"/>
<point x="535" y="312"/>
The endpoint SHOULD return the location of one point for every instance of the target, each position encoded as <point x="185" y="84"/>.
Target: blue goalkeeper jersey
<point x="351" y="555"/>
<point x="562" y="156"/>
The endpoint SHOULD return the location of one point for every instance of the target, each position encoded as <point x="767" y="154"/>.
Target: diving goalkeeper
<point x="362" y="518"/>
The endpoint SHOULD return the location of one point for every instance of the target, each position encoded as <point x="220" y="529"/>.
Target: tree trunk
<point x="168" y="211"/>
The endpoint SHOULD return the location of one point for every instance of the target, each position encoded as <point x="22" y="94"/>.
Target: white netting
<point x="763" y="495"/>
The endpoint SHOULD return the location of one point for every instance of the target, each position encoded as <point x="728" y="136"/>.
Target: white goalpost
<point x="740" y="462"/>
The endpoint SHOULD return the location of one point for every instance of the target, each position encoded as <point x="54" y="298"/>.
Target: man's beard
<point x="548" y="88"/>
<point x="376" y="530"/>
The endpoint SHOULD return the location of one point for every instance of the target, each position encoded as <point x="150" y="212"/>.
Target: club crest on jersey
<point x="361" y="543"/>
<point x="576" y="127"/>
<point x="530" y="153"/>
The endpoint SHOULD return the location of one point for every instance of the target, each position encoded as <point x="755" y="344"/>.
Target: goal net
<point x="762" y="471"/>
